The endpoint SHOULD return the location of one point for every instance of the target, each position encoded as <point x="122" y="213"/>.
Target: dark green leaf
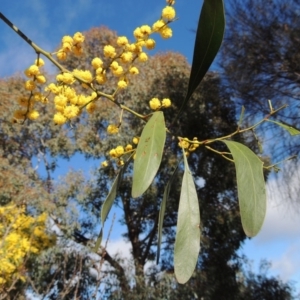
<point x="149" y="154"/>
<point x="209" y="37"/>
<point x="162" y="213"/>
<point x="187" y="242"/>
<point x="251" y="187"/>
<point x="292" y="130"/>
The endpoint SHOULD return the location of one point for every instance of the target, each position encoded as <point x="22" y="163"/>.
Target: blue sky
<point x="45" y="22"/>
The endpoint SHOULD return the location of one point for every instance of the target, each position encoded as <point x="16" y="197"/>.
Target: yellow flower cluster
<point x="20" y="236"/>
<point x="161" y="26"/>
<point x="67" y="102"/>
<point x="122" y="57"/>
<point x="119" y="151"/>
<point x="187" y="145"/>
<point x="70" y="45"/>
<point x="118" y="60"/>
<point x="156" y="104"/>
<point x="35" y="77"/>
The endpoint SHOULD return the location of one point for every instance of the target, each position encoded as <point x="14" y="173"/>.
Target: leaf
<point x="241" y="116"/>
<point x="251" y="187"/>
<point x="187" y="242"/>
<point x="162" y="212"/>
<point x="108" y="202"/>
<point x="148" y="154"/>
<point x="292" y="130"/>
<point x="209" y="37"/>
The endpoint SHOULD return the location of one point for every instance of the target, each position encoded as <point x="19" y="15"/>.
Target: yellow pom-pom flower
<point x="166" y="102"/>
<point x="112" y="129"/>
<point x="59" y="108"/>
<point x="138" y="33"/>
<point x="97" y="63"/>
<point x="60" y="100"/>
<point x="119" y="151"/>
<point x="71" y="111"/>
<point x="52" y="87"/>
<point x="59" y="118"/>
<point x="122" y="41"/>
<point x="33" y="114"/>
<point x="66" y="78"/>
<point x="27" y="73"/>
<point x="128" y="147"/>
<point x="30" y="85"/>
<point x="84" y="75"/>
<point x="101" y="78"/>
<point x="166" y="32"/>
<point x="158" y="25"/>
<point x="67" y="47"/>
<point x="34" y="70"/>
<point x="39" y="62"/>
<point x="104" y="164"/>
<point x="40" y="79"/>
<point x="61" y="55"/>
<point x="145" y="30"/>
<point x="126" y="57"/>
<point x="113" y="153"/>
<point x="155" y="103"/>
<point x="67" y="39"/>
<point x="134" y="70"/>
<point x="183" y="144"/>
<point x="109" y="51"/>
<point x="122" y="84"/>
<point x="150" y="44"/>
<point x="168" y="13"/>
<point x="136" y="140"/>
<point x="143" y="57"/>
<point x="119" y="71"/>
<point x="78" y="37"/>
<point x="114" y="65"/>
<point x="99" y="71"/>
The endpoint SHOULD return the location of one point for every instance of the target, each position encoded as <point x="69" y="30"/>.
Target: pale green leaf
<point x="251" y="187"/>
<point x="162" y="212"/>
<point x="187" y="242"/>
<point x="149" y="153"/>
<point x="108" y="202"/>
<point x="292" y="130"/>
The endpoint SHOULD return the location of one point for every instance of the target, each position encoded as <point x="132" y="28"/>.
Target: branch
<point x="39" y="51"/>
<point x="151" y="236"/>
<point x="121" y="273"/>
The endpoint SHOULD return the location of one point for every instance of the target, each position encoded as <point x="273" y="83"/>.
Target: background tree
<point x="259" y="61"/>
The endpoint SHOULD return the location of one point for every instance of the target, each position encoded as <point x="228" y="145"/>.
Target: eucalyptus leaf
<point x="251" y="187"/>
<point x="187" y="241"/>
<point x="148" y="154"/>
